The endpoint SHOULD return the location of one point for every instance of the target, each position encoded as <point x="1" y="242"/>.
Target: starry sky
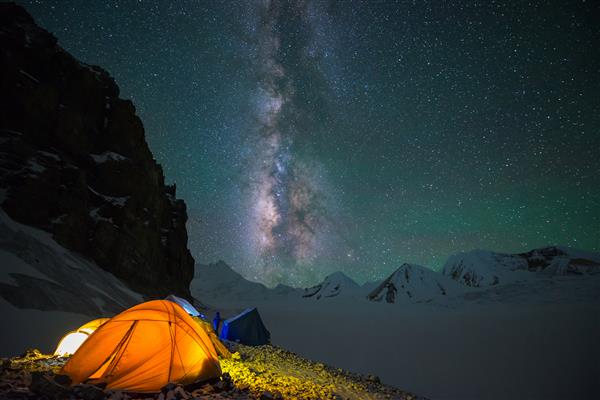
<point x="313" y="136"/>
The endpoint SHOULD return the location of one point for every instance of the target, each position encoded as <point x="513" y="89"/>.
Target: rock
<point x="172" y="391"/>
<point x="43" y="385"/>
<point x="168" y="387"/>
<point x="74" y="162"/>
<point x="4" y="365"/>
<point x="219" y="386"/>
<point x="198" y="385"/>
<point x="224" y="384"/>
<point x="198" y="393"/>
<point x="243" y="387"/>
<point x="117" y="395"/>
<point x="208" y="389"/>
<point x="180" y="393"/>
<point x="89" y="392"/>
<point x="271" y="396"/>
<point x="267" y="396"/>
<point x="170" y="395"/>
<point x="64" y="380"/>
<point x="32" y="353"/>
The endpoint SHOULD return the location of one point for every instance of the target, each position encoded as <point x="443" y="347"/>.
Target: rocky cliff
<point x="74" y="162"/>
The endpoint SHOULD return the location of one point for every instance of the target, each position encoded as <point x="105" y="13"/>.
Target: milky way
<point x="312" y="136"/>
<point x="287" y="214"/>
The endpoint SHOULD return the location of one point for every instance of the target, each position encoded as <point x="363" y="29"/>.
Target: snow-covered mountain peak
<point x="340" y="277"/>
<point x="412" y="283"/>
<point x="487" y="268"/>
<point x="481" y="267"/>
<point x="332" y="286"/>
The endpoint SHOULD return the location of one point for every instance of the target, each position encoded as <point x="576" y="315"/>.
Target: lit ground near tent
<point x="264" y="372"/>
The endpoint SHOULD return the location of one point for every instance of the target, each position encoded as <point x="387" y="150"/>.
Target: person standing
<point x="217" y="322"/>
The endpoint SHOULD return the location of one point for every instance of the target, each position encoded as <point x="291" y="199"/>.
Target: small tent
<point x="74" y="339"/>
<point x="144" y="348"/>
<point x="246" y="328"/>
<point x="186" y="305"/>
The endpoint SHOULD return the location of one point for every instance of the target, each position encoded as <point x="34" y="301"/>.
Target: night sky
<point x="313" y="136"/>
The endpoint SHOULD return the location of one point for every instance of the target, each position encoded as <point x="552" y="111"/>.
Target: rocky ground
<point x="264" y="372"/>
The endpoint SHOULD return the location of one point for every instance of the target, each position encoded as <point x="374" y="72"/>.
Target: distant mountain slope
<point x="332" y="286"/>
<point x="74" y="162"/>
<point x="542" y="275"/>
<point x="219" y="283"/>
<point x="480" y="268"/>
<point x="412" y="283"/>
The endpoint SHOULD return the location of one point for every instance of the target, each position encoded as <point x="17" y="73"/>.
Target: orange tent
<point x="144" y="348"/>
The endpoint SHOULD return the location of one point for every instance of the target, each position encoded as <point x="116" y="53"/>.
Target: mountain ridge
<point x="411" y="283"/>
<point x="477" y="268"/>
<point x="230" y="284"/>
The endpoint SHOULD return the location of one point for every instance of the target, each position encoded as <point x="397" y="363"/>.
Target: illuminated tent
<point x="206" y="326"/>
<point x="246" y="328"/>
<point x="186" y="305"/>
<point x="74" y="339"/>
<point x="144" y="348"/>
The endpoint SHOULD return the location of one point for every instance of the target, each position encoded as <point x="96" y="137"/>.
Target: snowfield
<point x="475" y="352"/>
<point x="532" y="335"/>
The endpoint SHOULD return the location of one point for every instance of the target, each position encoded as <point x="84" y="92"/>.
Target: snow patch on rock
<point x="107" y="156"/>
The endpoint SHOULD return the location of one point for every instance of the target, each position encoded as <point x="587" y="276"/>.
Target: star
<point x="308" y="137"/>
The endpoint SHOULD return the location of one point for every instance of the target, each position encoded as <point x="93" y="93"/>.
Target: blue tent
<point x="246" y="328"/>
<point x="190" y="309"/>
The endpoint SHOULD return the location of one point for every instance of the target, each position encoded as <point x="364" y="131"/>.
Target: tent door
<point x="113" y="359"/>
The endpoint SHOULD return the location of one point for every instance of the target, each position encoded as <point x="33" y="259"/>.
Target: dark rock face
<point x="74" y="162"/>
